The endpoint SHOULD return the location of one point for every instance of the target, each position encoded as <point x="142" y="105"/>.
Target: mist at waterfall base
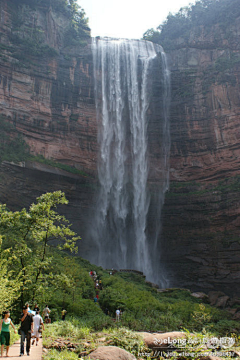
<point x="132" y="86"/>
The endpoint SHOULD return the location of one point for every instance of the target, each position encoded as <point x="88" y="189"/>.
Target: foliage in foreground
<point x="79" y="334"/>
<point x="9" y="286"/>
<point x="61" y="355"/>
<point x="85" y="340"/>
<point x="28" y="235"/>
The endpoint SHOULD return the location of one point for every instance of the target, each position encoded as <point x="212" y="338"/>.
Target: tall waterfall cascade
<point x="132" y="85"/>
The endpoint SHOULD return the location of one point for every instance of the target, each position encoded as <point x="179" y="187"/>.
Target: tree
<point x="202" y="13"/>
<point x="9" y="287"/>
<point x="30" y="234"/>
<point x="151" y="35"/>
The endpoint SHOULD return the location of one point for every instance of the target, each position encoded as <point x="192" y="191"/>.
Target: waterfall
<point x="123" y="94"/>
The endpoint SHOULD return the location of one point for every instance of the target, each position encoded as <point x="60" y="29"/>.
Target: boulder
<point x="222" y="301"/>
<point x="232" y="311"/>
<point x="200" y="295"/>
<point x="214" y="295"/>
<point x="157" y="340"/>
<point x="111" y="353"/>
<point x="236" y="316"/>
<point x="234" y="301"/>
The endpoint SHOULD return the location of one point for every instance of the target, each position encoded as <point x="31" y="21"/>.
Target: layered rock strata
<point x="202" y="210"/>
<point x="48" y="96"/>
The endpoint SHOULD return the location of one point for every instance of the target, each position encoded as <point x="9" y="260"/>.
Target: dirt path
<point x="14" y="351"/>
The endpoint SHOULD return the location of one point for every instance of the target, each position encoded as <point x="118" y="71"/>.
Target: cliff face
<point x="49" y="98"/>
<point x="47" y="95"/>
<point x="202" y="210"/>
<point x="205" y="104"/>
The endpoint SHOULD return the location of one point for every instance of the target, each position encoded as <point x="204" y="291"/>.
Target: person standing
<point x="63" y="313"/>
<point x="117" y="315"/>
<point x="5" y="332"/>
<point x="46" y="312"/>
<point x="26" y="328"/>
<point x="37" y="323"/>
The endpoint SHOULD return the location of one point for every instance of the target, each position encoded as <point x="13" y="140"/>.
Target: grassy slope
<point x="144" y="309"/>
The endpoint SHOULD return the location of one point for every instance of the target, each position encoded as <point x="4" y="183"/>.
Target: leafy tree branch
<point x="29" y="234"/>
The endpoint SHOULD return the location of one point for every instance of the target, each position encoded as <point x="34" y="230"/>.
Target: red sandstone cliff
<point x="49" y="98"/>
<point x="202" y="210"/>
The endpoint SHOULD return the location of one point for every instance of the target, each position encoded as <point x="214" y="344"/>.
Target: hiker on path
<point x="5" y="332"/>
<point x="117" y="315"/>
<point x="37" y="327"/>
<point x="63" y="313"/>
<point x="26" y="329"/>
<point x="46" y="312"/>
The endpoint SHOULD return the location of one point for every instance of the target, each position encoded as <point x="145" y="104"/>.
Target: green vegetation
<point x="203" y="13"/>
<point x="80" y="334"/>
<point x="32" y="245"/>
<point x="9" y="286"/>
<point x="28" y="235"/>
<point x="85" y="341"/>
<point x="63" y="355"/>
<point x="28" y="34"/>
<point x="68" y="168"/>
